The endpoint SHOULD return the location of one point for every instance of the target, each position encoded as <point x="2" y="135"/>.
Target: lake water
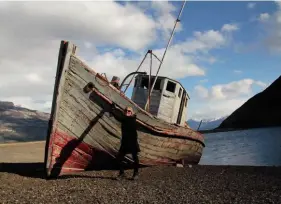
<point x="257" y="147"/>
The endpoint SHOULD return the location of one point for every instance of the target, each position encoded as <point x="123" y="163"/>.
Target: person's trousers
<point x="121" y="156"/>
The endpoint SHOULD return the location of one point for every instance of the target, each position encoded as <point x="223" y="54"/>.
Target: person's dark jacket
<point x="129" y="140"/>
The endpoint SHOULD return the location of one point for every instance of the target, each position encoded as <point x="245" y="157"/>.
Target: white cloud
<point x="166" y="20"/>
<point x="212" y="60"/>
<point x="201" y="91"/>
<point x="31" y="37"/>
<point x="216" y="109"/>
<point x="272" y="28"/>
<point x="251" y="5"/>
<point x="230" y="27"/>
<point x="204" y="41"/>
<point x="233" y="89"/>
<point x="115" y="64"/>
<point x="237" y="71"/>
<point x="182" y="56"/>
<point x="88" y="45"/>
<point x="95" y="22"/>
<point x="264" y="17"/>
<point x="203" y="81"/>
<point x="221" y="99"/>
<point x="33" y="78"/>
<point x="261" y="84"/>
<point x="182" y="64"/>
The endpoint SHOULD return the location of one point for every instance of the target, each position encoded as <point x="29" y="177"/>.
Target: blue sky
<point x="244" y="57"/>
<point x="223" y="52"/>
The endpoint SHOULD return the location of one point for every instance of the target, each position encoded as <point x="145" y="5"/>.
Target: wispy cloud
<point x="230" y="27"/>
<point x="264" y="17"/>
<point x="251" y="5"/>
<point x="203" y="80"/>
<point x="228" y="91"/>
<point x="237" y="71"/>
<point x="272" y="23"/>
<point x="222" y="99"/>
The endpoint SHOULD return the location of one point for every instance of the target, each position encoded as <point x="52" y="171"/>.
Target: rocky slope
<point x="19" y="124"/>
<point x="262" y="110"/>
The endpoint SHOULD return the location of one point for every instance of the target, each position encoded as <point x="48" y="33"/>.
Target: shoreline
<point x="233" y="129"/>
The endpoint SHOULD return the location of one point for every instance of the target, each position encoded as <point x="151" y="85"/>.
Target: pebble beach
<point x="24" y="182"/>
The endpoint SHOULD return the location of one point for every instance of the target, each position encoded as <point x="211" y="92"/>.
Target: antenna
<point x="161" y="62"/>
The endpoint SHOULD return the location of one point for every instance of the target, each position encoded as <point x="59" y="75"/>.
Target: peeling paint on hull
<point x="84" y="133"/>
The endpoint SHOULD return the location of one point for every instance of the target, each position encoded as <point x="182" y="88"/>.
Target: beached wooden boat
<point x="84" y="133"/>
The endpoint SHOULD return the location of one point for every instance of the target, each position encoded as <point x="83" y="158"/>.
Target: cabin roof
<point x="163" y="77"/>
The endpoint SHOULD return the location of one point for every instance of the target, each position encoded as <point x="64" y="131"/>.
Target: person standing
<point x="129" y="143"/>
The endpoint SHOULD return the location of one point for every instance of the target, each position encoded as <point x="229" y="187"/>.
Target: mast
<point x="161" y="62"/>
<point x="149" y="82"/>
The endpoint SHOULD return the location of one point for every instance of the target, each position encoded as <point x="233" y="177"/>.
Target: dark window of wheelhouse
<point x="144" y="83"/>
<point x="185" y="102"/>
<point x="171" y="86"/>
<point x="157" y="85"/>
<point x="136" y="82"/>
<point x="180" y="93"/>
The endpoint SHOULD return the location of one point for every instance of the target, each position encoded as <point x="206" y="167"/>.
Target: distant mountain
<point x="207" y="124"/>
<point x="19" y="124"/>
<point x="262" y="110"/>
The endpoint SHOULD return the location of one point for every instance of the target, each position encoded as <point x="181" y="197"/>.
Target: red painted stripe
<point x="69" y="152"/>
<point x="74" y="155"/>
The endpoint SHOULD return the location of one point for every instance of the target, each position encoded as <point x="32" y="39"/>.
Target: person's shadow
<point x="68" y="149"/>
<point x="71" y="146"/>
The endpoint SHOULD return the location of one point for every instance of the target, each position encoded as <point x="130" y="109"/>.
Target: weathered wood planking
<point x="123" y="102"/>
<point x="84" y="120"/>
<point x="63" y="62"/>
<point x="78" y="128"/>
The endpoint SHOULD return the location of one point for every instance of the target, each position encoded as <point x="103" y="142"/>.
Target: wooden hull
<point x="84" y="134"/>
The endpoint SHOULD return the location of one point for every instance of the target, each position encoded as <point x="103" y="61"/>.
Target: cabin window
<point x="157" y="85"/>
<point x="185" y="102"/>
<point x="180" y="92"/>
<point x="171" y="86"/>
<point x="136" y="82"/>
<point x="144" y="83"/>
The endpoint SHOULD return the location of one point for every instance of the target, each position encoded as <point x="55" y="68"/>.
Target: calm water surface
<point x="258" y="147"/>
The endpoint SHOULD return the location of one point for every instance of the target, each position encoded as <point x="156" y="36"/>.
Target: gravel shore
<point x="24" y="183"/>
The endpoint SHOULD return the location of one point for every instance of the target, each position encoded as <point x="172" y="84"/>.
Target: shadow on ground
<point x="33" y="170"/>
<point x="37" y="170"/>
